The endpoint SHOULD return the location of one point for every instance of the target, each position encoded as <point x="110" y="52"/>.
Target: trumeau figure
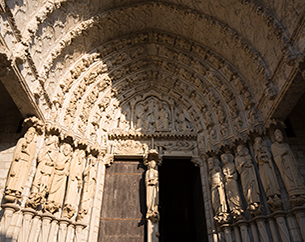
<point x="59" y="179"/>
<point x="245" y="168"/>
<point x="47" y="157"/>
<point x="75" y="183"/>
<point x="90" y="177"/>
<point x="218" y="191"/>
<point x="22" y="160"/>
<point x="152" y="191"/>
<point x="231" y="186"/>
<point x="289" y="169"/>
<point x="267" y="174"/>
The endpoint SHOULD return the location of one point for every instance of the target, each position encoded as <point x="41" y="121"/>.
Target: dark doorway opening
<point x="181" y="202"/>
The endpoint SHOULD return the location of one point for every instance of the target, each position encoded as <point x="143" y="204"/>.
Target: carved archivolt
<point x="211" y="89"/>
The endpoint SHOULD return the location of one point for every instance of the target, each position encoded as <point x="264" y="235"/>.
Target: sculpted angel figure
<point x="217" y="191"/>
<point x="152" y="191"/>
<point x="46" y="159"/>
<point x="231" y="185"/>
<point x="59" y="179"/>
<point x="267" y="174"/>
<point x="23" y="156"/>
<point x="245" y="168"/>
<point x="289" y="169"/>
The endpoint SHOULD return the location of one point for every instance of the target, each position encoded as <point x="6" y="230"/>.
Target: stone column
<point x="70" y="232"/>
<point x="293" y="227"/>
<point x="46" y="225"/>
<point x="254" y="231"/>
<point x="227" y="232"/>
<point x="273" y="229"/>
<point x="152" y="231"/>
<point x="9" y="210"/>
<point x="63" y="223"/>
<point x="261" y="225"/>
<point x="53" y="230"/>
<point x="237" y="234"/>
<point x="243" y="225"/>
<point x="281" y="223"/>
<point x="28" y="214"/>
<point x="299" y="213"/>
<point x="79" y="227"/>
<point x="34" y="232"/>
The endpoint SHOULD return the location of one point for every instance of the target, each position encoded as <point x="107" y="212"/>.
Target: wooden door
<point x="123" y="209"/>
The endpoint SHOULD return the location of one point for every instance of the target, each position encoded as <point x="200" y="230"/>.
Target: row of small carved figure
<point x="225" y="189"/>
<point x="60" y="177"/>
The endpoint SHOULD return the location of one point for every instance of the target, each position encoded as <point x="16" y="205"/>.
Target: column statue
<point x="46" y="159"/>
<point x="59" y="179"/>
<point x="245" y="168"/>
<point x="289" y="169"/>
<point x="22" y="159"/>
<point x="152" y="191"/>
<point x="217" y="191"/>
<point x="231" y="186"/>
<point x="75" y="183"/>
<point x="151" y="159"/>
<point x="267" y="174"/>
<point x="90" y="178"/>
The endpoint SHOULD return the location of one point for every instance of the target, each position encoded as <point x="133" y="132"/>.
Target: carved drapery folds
<point x="22" y="160"/>
<point x="75" y="183"/>
<point x="65" y="177"/>
<point x="218" y="191"/>
<point x="151" y="160"/>
<point x="90" y="179"/>
<point x="46" y="159"/>
<point x="231" y="186"/>
<point x="59" y="179"/>
<point x="245" y="168"/>
<point x="288" y="168"/>
<point x="267" y="174"/>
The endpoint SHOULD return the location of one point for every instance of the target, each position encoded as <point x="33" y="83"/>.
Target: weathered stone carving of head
<point x="278" y="135"/>
<point x="30" y="134"/>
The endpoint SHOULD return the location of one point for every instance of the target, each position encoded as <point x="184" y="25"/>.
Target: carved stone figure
<point x="162" y="119"/>
<point x="152" y="191"/>
<point x="90" y="177"/>
<point x="289" y="169"/>
<point x="217" y="191"/>
<point x="123" y="122"/>
<point x="59" y="179"/>
<point x="246" y="169"/>
<point x="181" y="122"/>
<point x="231" y="186"/>
<point x="47" y="157"/>
<point x="20" y="167"/>
<point x="267" y="174"/>
<point x="75" y="183"/>
<point x="140" y="118"/>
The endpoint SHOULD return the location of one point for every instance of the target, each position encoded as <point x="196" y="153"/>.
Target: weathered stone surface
<point x="191" y="79"/>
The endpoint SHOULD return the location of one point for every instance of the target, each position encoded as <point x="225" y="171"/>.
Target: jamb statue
<point x="23" y="156"/>
<point x="289" y="169"/>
